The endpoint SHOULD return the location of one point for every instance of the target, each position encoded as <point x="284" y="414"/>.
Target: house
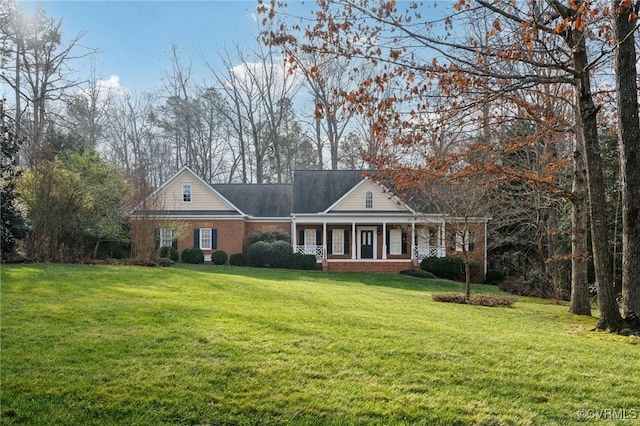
<point x="347" y="220"/>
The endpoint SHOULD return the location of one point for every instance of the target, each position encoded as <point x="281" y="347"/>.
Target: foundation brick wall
<point x="378" y="267"/>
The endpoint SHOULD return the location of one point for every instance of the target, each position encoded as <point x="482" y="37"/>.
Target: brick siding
<point x="373" y="266"/>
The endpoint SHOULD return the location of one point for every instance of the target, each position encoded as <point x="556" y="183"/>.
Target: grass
<point x="222" y="345"/>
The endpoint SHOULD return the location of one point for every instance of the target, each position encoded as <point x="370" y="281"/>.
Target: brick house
<point x="348" y="221"/>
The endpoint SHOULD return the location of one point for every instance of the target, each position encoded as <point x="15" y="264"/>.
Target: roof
<point x="258" y="200"/>
<point x="316" y="190"/>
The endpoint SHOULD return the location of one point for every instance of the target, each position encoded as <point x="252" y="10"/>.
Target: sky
<point x="134" y="37"/>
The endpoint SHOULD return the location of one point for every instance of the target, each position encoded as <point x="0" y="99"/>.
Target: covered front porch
<point x="361" y="243"/>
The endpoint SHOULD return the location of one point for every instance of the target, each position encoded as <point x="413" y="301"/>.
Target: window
<point x="310" y="237"/>
<point x="166" y="237"/>
<point x="186" y="192"/>
<point x="395" y="241"/>
<point x="469" y="240"/>
<point x="460" y="239"/>
<point x="205" y="238"/>
<point x="368" y="200"/>
<point x="337" y="241"/>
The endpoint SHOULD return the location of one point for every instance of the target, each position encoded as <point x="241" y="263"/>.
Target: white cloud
<point x="104" y="89"/>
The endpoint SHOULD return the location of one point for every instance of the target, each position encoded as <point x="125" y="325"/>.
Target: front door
<point x="366" y="244"/>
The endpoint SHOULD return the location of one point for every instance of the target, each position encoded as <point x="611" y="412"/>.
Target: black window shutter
<point x="174" y="243"/>
<point x="346" y="241"/>
<point x="404" y="243"/>
<point x="214" y="239"/>
<point x="156" y="238"/>
<point x="318" y="237"/>
<point x="196" y="238"/>
<point x="301" y="237"/>
<point x="330" y="242"/>
<point x="388" y="242"/>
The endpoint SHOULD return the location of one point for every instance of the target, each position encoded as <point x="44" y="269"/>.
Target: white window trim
<point x="204" y="246"/>
<point x="166" y="235"/>
<point x="310" y="237"/>
<point x="395" y="241"/>
<point x="368" y="200"/>
<point x="459" y="240"/>
<point x="337" y="241"/>
<point x="463" y="238"/>
<point x="186" y="185"/>
<point x="468" y="235"/>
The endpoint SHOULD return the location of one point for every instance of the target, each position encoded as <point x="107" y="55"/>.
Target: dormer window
<point x="368" y="200"/>
<point x="186" y="192"/>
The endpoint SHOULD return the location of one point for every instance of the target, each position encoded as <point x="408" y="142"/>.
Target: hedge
<point x="192" y="255"/>
<point x="237" y="259"/>
<point x="219" y="257"/>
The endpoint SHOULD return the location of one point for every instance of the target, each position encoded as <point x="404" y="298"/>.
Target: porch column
<point x="324" y="240"/>
<point x="413" y="239"/>
<point x="384" y="240"/>
<point x="354" y="243"/>
<point x="294" y="234"/>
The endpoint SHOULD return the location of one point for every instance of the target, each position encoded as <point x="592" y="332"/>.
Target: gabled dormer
<point x="368" y="196"/>
<point x="186" y="193"/>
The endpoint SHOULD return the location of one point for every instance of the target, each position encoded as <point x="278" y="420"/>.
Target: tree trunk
<point x="610" y="318"/>
<point x="629" y="147"/>
<point x="467" y="279"/>
<point x="96" y="247"/>
<point x="580" y="304"/>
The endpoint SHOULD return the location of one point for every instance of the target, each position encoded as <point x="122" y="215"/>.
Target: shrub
<point x="280" y="254"/>
<point x="270" y="236"/>
<point x="165" y="262"/>
<point x="258" y="254"/>
<point x="303" y="261"/>
<point x="491" y="300"/>
<point x="169" y="252"/>
<point x="494" y="276"/>
<point x="418" y="273"/>
<point x="450" y="268"/>
<point x="219" y="257"/>
<point x="449" y="298"/>
<point x="192" y="255"/>
<point x="237" y="259"/>
<point x="475" y="299"/>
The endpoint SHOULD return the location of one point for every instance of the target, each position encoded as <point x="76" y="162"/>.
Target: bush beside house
<point x="450" y="268"/>
<point x="278" y="254"/>
<point x="169" y="252"/>
<point x="237" y="259"/>
<point x="192" y="255"/>
<point x="219" y="257"/>
<point x="303" y="261"/>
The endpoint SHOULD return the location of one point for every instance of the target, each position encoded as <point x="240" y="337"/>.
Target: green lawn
<point x="221" y="345"/>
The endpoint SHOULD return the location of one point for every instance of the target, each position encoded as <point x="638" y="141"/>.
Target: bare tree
<point x="41" y="74"/>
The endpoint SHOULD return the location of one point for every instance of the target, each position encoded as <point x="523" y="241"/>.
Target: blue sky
<point x="134" y="37"/>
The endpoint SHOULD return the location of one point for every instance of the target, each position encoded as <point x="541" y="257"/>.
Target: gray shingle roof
<point x="259" y="200"/>
<point x="316" y="190"/>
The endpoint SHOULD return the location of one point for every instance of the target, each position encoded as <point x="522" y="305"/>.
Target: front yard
<point x="222" y="345"/>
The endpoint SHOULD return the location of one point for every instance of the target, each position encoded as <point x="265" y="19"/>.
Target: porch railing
<point x="424" y="252"/>
<point x="318" y="251"/>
